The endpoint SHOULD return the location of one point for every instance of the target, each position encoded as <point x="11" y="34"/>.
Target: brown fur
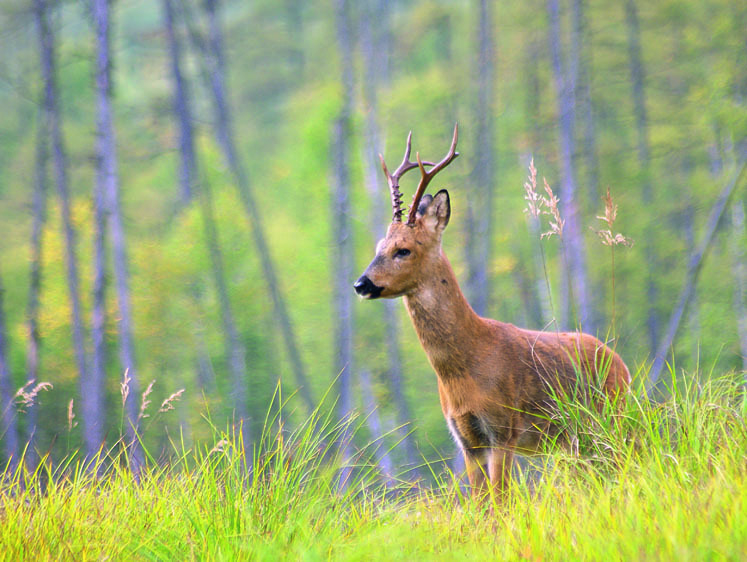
<point x="496" y="382"/>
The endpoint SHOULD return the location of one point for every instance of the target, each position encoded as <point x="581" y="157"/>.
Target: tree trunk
<point x="93" y="402"/>
<point x="53" y="120"/>
<point x="107" y="162"/>
<point x="380" y="450"/>
<point x="213" y="57"/>
<point x="374" y="75"/>
<point x="342" y="266"/>
<point x="691" y="277"/>
<point x="182" y="112"/>
<point x="235" y="351"/>
<point x="39" y="204"/>
<point x="234" y="348"/>
<point x="740" y="278"/>
<point x="294" y="19"/>
<point x="573" y="240"/>
<point x="480" y="210"/>
<point x="8" y="424"/>
<point x="638" y="79"/>
<point x="583" y="102"/>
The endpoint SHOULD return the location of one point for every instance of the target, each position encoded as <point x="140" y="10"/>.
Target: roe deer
<point x="497" y="383"/>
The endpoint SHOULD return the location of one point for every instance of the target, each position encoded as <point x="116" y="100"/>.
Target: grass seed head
<point x="124" y="386"/>
<point x="168" y="404"/>
<point x="144" y="402"/>
<point x="610" y="215"/>
<point x="71" y="423"/>
<point x="533" y="199"/>
<point x="26" y="395"/>
<point x="551" y="208"/>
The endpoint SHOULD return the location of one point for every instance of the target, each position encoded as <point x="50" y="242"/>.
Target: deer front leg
<point x="500" y="462"/>
<point x="476" y="475"/>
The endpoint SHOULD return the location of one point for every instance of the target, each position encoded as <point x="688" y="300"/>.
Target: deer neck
<point x="444" y="321"/>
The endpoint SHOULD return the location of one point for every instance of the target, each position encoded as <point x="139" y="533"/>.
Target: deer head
<point x="409" y="250"/>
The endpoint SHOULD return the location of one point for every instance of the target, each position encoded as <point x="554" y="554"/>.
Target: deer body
<point x="496" y="382"/>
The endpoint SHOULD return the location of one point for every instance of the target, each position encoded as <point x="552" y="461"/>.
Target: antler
<point x="426" y="177"/>
<point x="393" y="179"/>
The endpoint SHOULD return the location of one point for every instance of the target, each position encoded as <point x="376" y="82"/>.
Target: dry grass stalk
<point x="533" y="199"/>
<point x="26" y="395"/>
<point x="124" y="386"/>
<point x="551" y="205"/>
<point x="610" y="215"/>
<point x="168" y="404"/>
<point x="71" y="423"/>
<point x="540" y="205"/>
<point x="144" y="402"/>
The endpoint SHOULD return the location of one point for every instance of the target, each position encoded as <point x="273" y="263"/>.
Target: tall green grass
<point x="659" y="481"/>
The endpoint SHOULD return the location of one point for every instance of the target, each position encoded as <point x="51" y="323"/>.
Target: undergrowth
<point x="662" y="480"/>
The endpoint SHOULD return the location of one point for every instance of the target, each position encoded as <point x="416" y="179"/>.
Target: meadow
<point x="181" y="348"/>
<point x="658" y="481"/>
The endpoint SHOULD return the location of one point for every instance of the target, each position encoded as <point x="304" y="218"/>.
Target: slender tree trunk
<point x="691" y="277"/>
<point x="342" y="266"/>
<point x="480" y="210"/>
<point x="39" y="204"/>
<point x="107" y="162"/>
<point x="583" y="101"/>
<point x="234" y="348"/>
<point x="374" y="75"/>
<point x="235" y="351"/>
<point x="738" y="241"/>
<point x="573" y="240"/>
<point x="294" y="19"/>
<point x="213" y="57"/>
<point x="53" y="120"/>
<point x="383" y="458"/>
<point x="8" y="424"/>
<point x="93" y="401"/>
<point x="182" y="112"/>
<point x="533" y="104"/>
<point x="638" y="79"/>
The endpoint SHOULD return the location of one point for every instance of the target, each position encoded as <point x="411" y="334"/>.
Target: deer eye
<point x="401" y="253"/>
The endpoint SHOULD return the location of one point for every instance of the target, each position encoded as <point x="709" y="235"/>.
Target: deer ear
<point x="424" y="202"/>
<point x="436" y="215"/>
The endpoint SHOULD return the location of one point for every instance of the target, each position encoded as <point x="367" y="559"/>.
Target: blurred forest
<point x="189" y="188"/>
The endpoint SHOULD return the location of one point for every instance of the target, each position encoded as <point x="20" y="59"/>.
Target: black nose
<point x="364" y="287"/>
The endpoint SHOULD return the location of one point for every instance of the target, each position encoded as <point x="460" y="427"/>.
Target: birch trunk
<point x="39" y="204"/>
<point x="691" y="278"/>
<point x="53" y="121"/>
<point x="583" y="52"/>
<point x="342" y="266"/>
<point x="8" y="423"/>
<point x="213" y="57"/>
<point x="234" y="349"/>
<point x="738" y="241"/>
<point x="373" y="419"/>
<point x="107" y="162"/>
<point x="375" y="74"/>
<point x="638" y="79"/>
<point x="480" y="208"/>
<point x="573" y="240"/>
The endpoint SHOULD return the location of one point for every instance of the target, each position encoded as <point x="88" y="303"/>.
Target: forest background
<point x="189" y="189"/>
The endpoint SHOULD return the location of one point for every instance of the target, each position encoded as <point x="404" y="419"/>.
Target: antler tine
<point x="393" y="179"/>
<point x="426" y="177"/>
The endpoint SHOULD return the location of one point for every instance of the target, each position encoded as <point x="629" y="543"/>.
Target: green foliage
<point x="284" y="88"/>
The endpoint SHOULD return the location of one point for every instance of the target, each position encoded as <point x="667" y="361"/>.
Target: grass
<point x="661" y="481"/>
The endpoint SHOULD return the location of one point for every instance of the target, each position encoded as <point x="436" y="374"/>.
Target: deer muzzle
<point x="366" y="289"/>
